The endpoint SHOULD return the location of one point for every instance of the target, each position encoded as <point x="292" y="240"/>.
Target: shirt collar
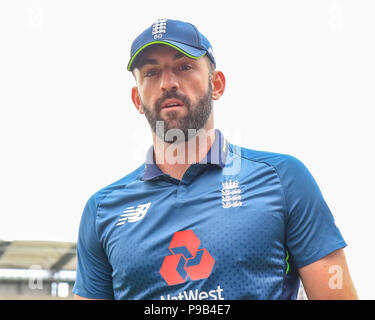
<point x="216" y="156"/>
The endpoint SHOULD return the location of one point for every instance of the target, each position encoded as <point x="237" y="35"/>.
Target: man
<point x="202" y="218"/>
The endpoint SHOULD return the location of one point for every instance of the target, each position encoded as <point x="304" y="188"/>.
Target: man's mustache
<point x="171" y="95"/>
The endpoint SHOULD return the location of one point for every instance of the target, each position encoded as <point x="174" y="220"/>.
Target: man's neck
<point x="175" y="158"/>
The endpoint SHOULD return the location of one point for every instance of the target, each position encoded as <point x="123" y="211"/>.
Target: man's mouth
<point x="172" y="103"/>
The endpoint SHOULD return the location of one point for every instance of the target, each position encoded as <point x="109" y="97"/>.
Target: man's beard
<point x="196" y="118"/>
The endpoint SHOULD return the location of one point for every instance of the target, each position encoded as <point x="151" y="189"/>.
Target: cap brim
<point x="191" y="52"/>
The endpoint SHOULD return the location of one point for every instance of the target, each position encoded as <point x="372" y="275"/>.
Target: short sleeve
<point x="311" y="232"/>
<point x="94" y="273"/>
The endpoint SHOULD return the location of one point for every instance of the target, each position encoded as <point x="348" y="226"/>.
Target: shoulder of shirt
<point x="136" y="174"/>
<point x="279" y="161"/>
<point x="285" y="166"/>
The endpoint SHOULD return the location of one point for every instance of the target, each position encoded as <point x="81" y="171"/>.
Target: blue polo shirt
<point x="238" y="225"/>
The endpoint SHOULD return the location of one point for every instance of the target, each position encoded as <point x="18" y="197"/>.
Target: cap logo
<point x="158" y="28"/>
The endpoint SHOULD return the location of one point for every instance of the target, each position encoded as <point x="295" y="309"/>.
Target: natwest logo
<point x="186" y="259"/>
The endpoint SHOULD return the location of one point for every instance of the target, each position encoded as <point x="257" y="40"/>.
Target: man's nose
<point x="169" y="81"/>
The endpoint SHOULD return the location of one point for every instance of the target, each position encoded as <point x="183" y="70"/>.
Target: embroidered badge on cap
<point x="158" y="28"/>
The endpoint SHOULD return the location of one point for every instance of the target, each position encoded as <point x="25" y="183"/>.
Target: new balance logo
<point x="132" y="214"/>
<point x="186" y="259"/>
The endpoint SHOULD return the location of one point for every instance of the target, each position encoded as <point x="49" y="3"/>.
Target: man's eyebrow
<point x="178" y="55"/>
<point x="146" y="61"/>
<point x="143" y="62"/>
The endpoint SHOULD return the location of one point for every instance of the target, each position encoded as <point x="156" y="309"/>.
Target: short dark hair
<point x="211" y="67"/>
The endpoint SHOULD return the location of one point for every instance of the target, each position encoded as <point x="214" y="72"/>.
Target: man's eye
<point x="150" y="73"/>
<point x="185" y="67"/>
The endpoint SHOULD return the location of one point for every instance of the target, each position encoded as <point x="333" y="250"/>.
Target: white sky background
<point x="300" y="80"/>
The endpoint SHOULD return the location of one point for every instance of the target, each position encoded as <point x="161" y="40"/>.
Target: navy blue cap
<point x="182" y="36"/>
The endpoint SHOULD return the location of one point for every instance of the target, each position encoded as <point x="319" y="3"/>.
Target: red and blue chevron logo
<point x="186" y="260"/>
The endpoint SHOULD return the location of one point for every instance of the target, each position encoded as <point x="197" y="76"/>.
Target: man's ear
<point x="137" y="100"/>
<point x="218" y="85"/>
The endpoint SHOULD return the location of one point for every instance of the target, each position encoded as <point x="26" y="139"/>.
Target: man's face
<point x="174" y="89"/>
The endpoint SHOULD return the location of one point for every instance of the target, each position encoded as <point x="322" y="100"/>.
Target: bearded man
<point x="203" y="218"/>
